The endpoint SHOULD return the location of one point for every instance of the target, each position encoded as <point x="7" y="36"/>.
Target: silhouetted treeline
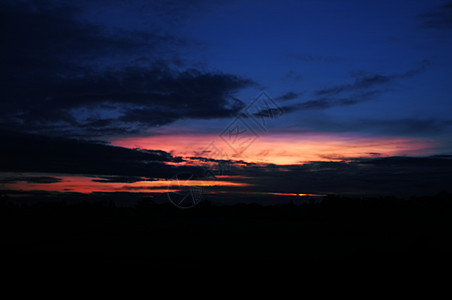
<point x="337" y="228"/>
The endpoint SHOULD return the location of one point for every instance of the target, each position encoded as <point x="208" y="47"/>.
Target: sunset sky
<point x="293" y="97"/>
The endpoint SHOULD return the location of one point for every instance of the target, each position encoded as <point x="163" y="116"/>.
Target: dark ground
<point x="366" y="231"/>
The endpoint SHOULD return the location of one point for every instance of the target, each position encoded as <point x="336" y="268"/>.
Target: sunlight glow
<point x="284" y="148"/>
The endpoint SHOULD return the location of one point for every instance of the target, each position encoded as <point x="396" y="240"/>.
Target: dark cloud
<point x="139" y="97"/>
<point x="47" y="39"/>
<point x="120" y="179"/>
<point x="400" y="176"/>
<point x="30" y="179"/>
<point x="438" y="18"/>
<point x="61" y="74"/>
<point x="31" y="153"/>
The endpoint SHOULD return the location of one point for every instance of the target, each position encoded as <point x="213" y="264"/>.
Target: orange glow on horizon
<point x="283" y="148"/>
<point x="82" y="184"/>
<point x="295" y="195"/>
<point x="265" y="193"/>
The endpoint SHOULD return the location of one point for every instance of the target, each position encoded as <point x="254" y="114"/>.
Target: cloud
<point x="289" y="96"/>
<point x="365" y="81"/>
<point x="366" y="86"/>
<point x="32" y="153"/>
<point x="323" y="103"/>
<point x="30" y="179"/>
<point x="400" y="176"/>
<point x="48" y="38"/>
<point x="63" y="74"/>
<point x="120" y="179"/>
<point x="439" y="18"/>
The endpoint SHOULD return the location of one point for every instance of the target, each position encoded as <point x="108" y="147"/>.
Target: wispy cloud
<point x="289" y="96"/>
<point x="325" y="102"/>
<point x="366" y="86"/>
<point x="365" y="80"/>
<point x="439" y="18"/>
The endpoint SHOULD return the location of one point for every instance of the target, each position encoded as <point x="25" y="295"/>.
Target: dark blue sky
<point x="379" y="67"/>
<point x="350" y="79"/>
<point x="398" y="50"/>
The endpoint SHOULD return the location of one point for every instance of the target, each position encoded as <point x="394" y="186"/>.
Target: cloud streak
<point x="365" y="81"/>
<point x="30" y="179"/>
<point x="439" y="18"/>
<point x="366" y="86"/>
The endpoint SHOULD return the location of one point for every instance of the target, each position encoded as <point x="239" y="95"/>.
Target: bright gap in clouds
<point x="283" y="148"/>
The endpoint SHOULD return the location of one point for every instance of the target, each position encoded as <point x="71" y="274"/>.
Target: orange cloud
<point x="82" y="184"/>
<point x="282" y="148"/>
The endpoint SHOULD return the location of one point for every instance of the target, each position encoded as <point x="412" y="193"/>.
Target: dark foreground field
<point x="338" y="229"/>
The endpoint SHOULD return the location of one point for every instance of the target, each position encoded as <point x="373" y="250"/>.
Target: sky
<point x="268" y="97"/>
